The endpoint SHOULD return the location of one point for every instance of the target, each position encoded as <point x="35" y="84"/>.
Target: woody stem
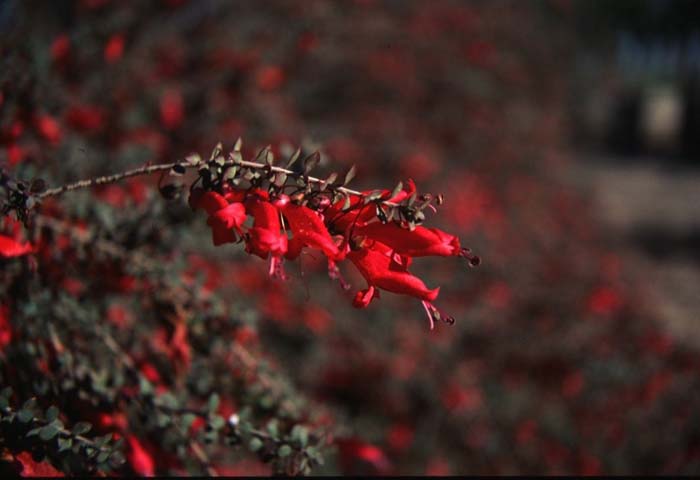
<point x="149" y="169"/>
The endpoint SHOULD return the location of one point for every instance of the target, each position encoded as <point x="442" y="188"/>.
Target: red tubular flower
<point x="356" y="215"/>
<point x="140" y="459"/>
<point x="266" y="238"/>
<point x="226" y="223"/>
<point x="419" y="242"/>
<point x="308" y="230"/>
<point x="383" y="271"/>
<point x="48" y="128"/>
<point x="9" y="247"/>
<point x="225" y="219"/>
<point x="6" y="333"/>
<point x="364" y="297"/>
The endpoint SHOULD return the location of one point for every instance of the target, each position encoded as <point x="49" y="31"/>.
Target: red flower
<point x="308" y="230"/>
<point x="5" y="327"/>
<point x="383" y="271"/>
<point x="265" y="237"/>
<point x="419" y="242"/>
<point x="172" y="110"/>
<point x="356" y="215"/>
<point x="225" y="223"/>
<point x="32" y="468"/>
<point x="225" y="219"/>
<point x="139" y="459"/>
<point x="15" y="154"/>
<point x="269" y="78"/>
<point x="114" y="49"/>
<point x="10" y="247"/>
<point x="48" y="128"/>
<point x="354" y="449"/>
<point x="86" y="118"/>
<point x="60" y="48"/>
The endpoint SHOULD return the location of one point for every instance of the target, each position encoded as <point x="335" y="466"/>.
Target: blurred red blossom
<point x="114" y="48"/>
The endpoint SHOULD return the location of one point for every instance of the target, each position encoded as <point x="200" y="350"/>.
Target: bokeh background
<point x="563" y="135"/>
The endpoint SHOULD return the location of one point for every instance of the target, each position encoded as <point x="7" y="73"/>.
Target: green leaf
<point x="346" y="204"/>
<point x="272" y="427"/>
<point x="375" y="195"/>
<point x="117" y="459"/>
<point x="81" y="428"/>
<point x="239" y="144"/>
<point x="162" y="420"/>
<point x="25" y="416"/>
<point x="213" y="402"/>
<point x="51" y="413"/>
<point x="350" y="175"/>
<point x="168" y="400"/>
<point x="64" y="444"/>
<point x="188" y="419"/>
<point x="217" y="422"/>
<point x="216" y="152"/>
<point x="397" y="189"/>
<point x="230" y="172"/>
<point x="103" y="457"/>
<point x="280" y="179"/>
<point x="295" y="156"/>
<point x="91" y="452"/>
<point x="102" y="441"/>
<point x="255" y="444"/>
<point x="48" y="432"/>
<point x="284" y="451"/>
<point x="266" y="402"/>
<point x="332" y="178"/>
<point x="300" y="434"/>
<point x="193" y="159"/>
<point x="145" y="387"/>
<point x="311" y="161"/>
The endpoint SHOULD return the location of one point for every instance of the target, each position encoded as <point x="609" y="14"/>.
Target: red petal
<point x="262" y="242"/>
<point x="265" y="215"/>
<point x="364" y="297"/>
<point x="10" y="247"/>
<point x="420" y="242"/>
<point x="32" y="468"/>
<point x="139" y="459"/>
<point x="212" y="202"/>
<point x="226" y="222"/>
<point x="307" y="227"/>
<point x="383" y="272"/>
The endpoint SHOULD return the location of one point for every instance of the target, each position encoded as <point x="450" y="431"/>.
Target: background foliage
<point x="185" y="358"/>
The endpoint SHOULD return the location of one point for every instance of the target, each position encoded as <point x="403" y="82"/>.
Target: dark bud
<point x="311" y="161"/>
<point x="170" y="191"/>
<point x="178" y="170"/>
<point x="38" y="186"/>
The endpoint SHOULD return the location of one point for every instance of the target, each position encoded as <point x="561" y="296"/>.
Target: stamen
<point x="474" y="260"/>
<point x="427" y="306"/>
<point x="277" y="268"/>
<point x="334" y="274"/>
<point x="435" y="313"/>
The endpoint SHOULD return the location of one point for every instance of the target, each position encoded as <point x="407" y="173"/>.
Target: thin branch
<point x="145" y="170"/>
<point x="149" y="169"/>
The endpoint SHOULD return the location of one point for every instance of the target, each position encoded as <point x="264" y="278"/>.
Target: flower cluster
<point x="378" y="231"/>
